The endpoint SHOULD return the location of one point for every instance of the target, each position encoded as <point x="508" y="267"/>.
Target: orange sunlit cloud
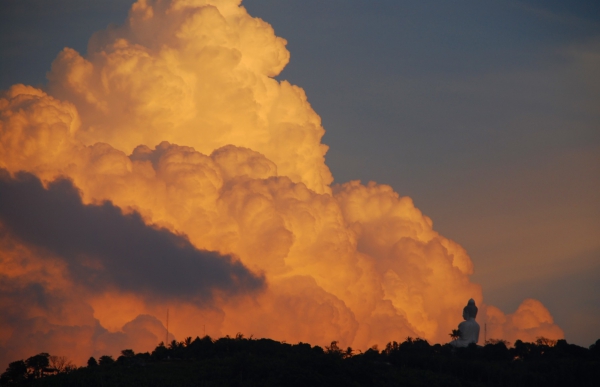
<point x="175" y="120"/>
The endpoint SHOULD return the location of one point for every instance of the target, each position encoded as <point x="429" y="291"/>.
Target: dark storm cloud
<point x="103" y="247"/>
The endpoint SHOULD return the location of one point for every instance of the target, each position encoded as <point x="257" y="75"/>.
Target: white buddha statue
<point x="469" y="329"/>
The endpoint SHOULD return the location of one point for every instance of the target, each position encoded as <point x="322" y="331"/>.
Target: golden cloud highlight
<point x="175" y="117"/>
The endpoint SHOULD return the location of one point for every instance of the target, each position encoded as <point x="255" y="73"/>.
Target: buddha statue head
<point x="470" y="311"/>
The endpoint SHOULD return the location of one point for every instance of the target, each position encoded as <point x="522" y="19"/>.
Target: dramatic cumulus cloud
<point x="44" y="310"/>
<point x="197" y="73"/>
<point x="104" y="248"/>
<point x="175" y="118"/>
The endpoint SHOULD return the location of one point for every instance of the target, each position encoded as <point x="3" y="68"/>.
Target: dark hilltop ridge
<point x="240" y="361"/>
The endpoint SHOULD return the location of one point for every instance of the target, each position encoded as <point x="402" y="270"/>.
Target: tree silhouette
<point x="497" y="341"/>
<point x="15" y="373"/>
<point x="595" y="348"/>
<point x="128" y="353"/>
<point x="61" y="364"/>
<point x="106" y="360"/>
<point x="348" y="352"/>
<point x="36" y="364"/>
<point x="541" y="340"/>
<point x="174" y="344"/>
<point x="455" y="334"/>
<point x="333" y="348"/>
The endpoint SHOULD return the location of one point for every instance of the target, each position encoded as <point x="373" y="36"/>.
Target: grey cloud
<point x="104" y="247"/>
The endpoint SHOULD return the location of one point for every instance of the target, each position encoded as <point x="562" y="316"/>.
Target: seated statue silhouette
<point x="469" y="329"/>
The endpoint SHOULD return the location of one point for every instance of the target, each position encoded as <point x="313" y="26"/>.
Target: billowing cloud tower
<point x="168" y="169"/>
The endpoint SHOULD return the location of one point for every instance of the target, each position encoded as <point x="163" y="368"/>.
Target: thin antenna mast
<point x="167" y="337"/>
<point x="484" y="333"/>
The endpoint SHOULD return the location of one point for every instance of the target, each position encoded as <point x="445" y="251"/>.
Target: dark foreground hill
<point x="263" y="362"/>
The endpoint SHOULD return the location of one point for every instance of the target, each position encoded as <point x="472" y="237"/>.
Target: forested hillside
<point x="243" y="361"/>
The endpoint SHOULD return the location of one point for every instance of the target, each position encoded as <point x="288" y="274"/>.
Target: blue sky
<point x="487" y="114"/>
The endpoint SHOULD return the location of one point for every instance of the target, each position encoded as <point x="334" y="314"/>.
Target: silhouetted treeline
<point x="243" y="361"/>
